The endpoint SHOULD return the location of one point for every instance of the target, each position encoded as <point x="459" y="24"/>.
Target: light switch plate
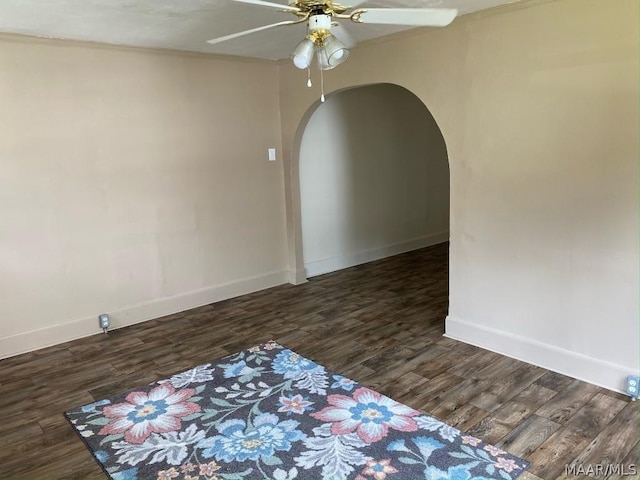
<point x="272" y="154"/>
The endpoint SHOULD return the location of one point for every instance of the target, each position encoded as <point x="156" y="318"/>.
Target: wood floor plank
<point x="497" y="369"/>
<point x="79" y="463"/>
<point x="34" y="363"/>
<point x="53" y="443"/>
<point x="528" y="435"/>
<point x="380" y="324"/>
<point x="96" y="346"/>
<point x="507" y="387"/>
<point x="404" y="361"/>
<point x="465" y="417"/>
<point x="467" y="366"/>
<point x="560" y="449"/>
<point x="358" y="373"/>
<point x="615" y="441"/>
<point x="10" y="438"/>
<point x="399" y="386"/>
<point x="554" y="381"/>
<point x="444" y="361"/>
<point x="456" y="396"/>
<point x="504" y="420"/>
<point x="568" y="401"/>
<point x="474" y="383"/>
<point x="630" y="465"/>
<point x="522" y="405"/>
<point x="431" y="392"/>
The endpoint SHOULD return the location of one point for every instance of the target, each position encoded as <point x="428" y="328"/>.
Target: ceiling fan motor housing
<point x="319" y="22"/>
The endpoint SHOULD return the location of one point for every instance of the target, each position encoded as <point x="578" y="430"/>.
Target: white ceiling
<point x="188" y="24"/>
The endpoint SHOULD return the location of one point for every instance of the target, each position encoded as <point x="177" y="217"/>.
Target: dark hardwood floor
<point x="380" y="324"/>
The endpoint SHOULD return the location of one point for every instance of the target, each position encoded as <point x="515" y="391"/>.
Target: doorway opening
<point x="374" y="178"/>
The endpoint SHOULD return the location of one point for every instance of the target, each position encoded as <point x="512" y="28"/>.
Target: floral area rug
<point x="269" y="413"/>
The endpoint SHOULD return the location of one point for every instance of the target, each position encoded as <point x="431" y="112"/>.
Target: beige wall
<point x="374" y="179"/>
<point x="135" y="182"/>
<point x="132" y="182"/>
<point x="538" y="104"/>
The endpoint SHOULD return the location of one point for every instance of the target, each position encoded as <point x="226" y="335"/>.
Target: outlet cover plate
<point x="103" y="321"/>
<point x="633" y="384"/>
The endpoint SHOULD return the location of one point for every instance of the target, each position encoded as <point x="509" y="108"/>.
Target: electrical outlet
<point x="633" y="384"/>
<point x="103" y="321"/>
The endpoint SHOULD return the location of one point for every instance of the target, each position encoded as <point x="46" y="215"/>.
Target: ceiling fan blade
<point x="424" y="17"/>
<point x="270" y="4"/>
<point x="248" y="32"/>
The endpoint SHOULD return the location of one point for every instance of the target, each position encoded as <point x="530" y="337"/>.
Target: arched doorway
<point x="373" y="176"/>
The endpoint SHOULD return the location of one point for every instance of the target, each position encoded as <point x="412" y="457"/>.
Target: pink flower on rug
<point x="508" y="465"/>
<point x="495" y="451"/>
<point x="294" y="404"/>
<point x="209" y="468"/>
<point x="158" y="411"/>
<point x="369" y="413"/>
<point x="167" y="474"/>
<point x="469" y="440"/>
<point x="379" y="469"/>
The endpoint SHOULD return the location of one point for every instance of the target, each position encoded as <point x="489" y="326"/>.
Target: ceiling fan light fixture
<point x="323" y="60"/>
<point x="302" y="56"/>
<point x="335" y="51"/>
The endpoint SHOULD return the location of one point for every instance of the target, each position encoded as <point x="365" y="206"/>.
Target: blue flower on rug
<point x="237" y="369"/>
<point x="343" y="382"/>
<point x="427" y="445"/>
<point x="102" y="455"/>
<point x="237" y="443"/>
<point x="292" y="365"/>
<point x="92" y="407"/>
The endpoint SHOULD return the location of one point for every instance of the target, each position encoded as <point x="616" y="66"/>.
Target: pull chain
<point x="309" y="84"/>
<point x="321" y="85"/>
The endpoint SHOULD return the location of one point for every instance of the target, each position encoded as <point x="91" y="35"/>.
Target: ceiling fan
<point x="321" y="16"/>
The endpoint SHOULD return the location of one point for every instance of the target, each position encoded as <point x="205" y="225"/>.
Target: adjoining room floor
<point x="380" y="324"/>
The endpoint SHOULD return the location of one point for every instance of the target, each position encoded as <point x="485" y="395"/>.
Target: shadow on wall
<point x="374" y="178"/>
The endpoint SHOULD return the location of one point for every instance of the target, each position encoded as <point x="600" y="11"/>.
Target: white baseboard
<point x="582" y="367"/>
<point x="64" y="332"/>
<point x="333" y="264"/>
<point x="297" y="277"/>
